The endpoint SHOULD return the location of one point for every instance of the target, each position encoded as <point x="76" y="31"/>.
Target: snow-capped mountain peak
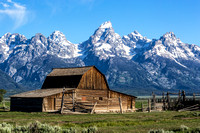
<point x="58" y="45"/>
<point x="58" y="38"/>
<point x="169" y="35"/>
<point x="105" y="43"/>
<point x="106" y="25"/>
<point x="132" y="61"/>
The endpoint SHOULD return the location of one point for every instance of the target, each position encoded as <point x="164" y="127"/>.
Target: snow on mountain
<point x="32" y="60"/>
<point x="169" y="46"/>
<point x="136" y="42"/>
<point x="105" y="44"/>
<point x="60" y="46"/>
<point x="8" y="42"/>
<point x="133" y="62"/>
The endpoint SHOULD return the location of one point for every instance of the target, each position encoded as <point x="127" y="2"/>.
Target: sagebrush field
<point x="128" y="122"/>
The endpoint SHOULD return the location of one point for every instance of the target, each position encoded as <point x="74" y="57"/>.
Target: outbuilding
<point x="80" y="89"/>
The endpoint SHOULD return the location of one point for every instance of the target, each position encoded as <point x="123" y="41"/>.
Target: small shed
<point x="85" y="90"/>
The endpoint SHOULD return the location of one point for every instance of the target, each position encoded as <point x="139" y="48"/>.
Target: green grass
<point x="140" y="101"/>
<point x="109" y="123"/>
<point x="129" y="122"/>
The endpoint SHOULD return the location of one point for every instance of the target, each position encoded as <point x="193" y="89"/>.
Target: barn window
<point x="101" y="98"/>
<point x="83" y="98"/>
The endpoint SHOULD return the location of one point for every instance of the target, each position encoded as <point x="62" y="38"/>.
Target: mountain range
<point x="132" y="64"/>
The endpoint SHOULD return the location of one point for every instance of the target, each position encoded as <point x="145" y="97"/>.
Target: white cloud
<point x="15" y="11"/>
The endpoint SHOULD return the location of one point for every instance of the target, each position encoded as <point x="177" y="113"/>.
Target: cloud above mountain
<point x="15" y="11"/>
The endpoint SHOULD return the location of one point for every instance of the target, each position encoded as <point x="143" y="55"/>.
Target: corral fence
<point x="180" y="101"/>
<point x="176" y="101"/>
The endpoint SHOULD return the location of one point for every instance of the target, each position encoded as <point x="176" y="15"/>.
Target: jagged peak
<point x="57" y="36"/>
<point x="169" y="35"/>
<point x="38" y="34"/>
<point x="106" y="25"/>
<point x="57" y="32"/>
<point x="136" y="33"/>
<point x="7" y="34"/>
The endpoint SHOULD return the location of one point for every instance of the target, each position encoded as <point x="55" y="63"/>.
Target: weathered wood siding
<point x="52" y="103"/>
<point x="26" y="104"/>
<point x="107" y="101"/>
<point x="128" y="102"/>
<point x="93" y="79"/>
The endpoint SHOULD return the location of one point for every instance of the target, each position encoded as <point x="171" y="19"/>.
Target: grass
<point x="129" y="122"/>
<point x="109" y="123"/>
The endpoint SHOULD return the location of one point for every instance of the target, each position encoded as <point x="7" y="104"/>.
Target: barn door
<point x="129" y="103"/>
<point x="51" y="103"/>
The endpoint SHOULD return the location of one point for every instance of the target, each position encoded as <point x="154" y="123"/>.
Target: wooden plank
<point x="62" y="102"/>
<point x="93" y="108"/>
<point x="120" y="104"/>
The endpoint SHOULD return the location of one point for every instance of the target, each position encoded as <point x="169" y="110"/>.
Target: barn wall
<point x="128" y="102"/>
<point x="107" y="101"/>
<point x="93" y="79"/>
<point x="26" y="104"/>
<point x="53" y="103"/>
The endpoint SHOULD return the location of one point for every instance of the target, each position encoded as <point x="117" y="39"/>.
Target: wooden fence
<point x="175" y="101"/>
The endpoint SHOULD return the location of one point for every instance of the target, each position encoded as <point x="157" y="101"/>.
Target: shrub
<point x="5" y="128"/>
<point x="183" y="128"/>
<point x="70" y="130"/>
<point x="92" y="129"/>
<point x="156" y="131"/>
<point x="37" y="127"/>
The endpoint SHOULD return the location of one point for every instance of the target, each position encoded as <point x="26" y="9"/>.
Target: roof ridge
<point x="73" y="67"/>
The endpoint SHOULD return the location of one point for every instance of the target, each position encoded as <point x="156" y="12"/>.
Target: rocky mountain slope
<point x="7" y="83"/>
<point x="132" y="63"/>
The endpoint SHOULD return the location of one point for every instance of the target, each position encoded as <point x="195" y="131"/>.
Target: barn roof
<point x="69" y="71"/>
<point x="40" y="93"/>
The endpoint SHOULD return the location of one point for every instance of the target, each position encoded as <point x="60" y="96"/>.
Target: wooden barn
<point x="85" y="90"/>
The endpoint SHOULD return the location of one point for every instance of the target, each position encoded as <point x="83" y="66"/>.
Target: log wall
<point x="93" y="79"/>
<point x="107" y="101"/>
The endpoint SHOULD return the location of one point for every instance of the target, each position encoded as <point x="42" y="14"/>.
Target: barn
<point x="80" y="89"/>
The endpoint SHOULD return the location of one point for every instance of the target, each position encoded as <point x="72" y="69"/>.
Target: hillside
<point x="7" y="83"/>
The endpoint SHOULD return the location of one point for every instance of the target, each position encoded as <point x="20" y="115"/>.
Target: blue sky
<point x="78" y="19"/>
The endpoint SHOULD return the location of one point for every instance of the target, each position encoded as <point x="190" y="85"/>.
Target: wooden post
<point x="164" y="105"/>
<point x="168" y="100"/>
<point x="194" y="97"/>
<point x="93" y="109"/>
<point x="149" y="105"/>
<point x="62" y="102"/>
<point x="142" y="107"/>
<point x="183" y="93"/>
<point x="179" y="95"/>
<point x="73" y="100"/>
<point x="120" y="105"/>
<point x="154" y="100"/>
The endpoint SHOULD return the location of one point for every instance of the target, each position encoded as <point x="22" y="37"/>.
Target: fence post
<point x="120" y="105"/>
<point x="179" y="95"/>
<point x="142" y="107"/>
<point x="183" y="93"/>
<point x="62" y="102"/>
<point x="149" y="105"/>
<point x="154" y="100"/>
<point x="193" y="97"/>
<point x="168" y="100"/>
<point x="163" y="97"/>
